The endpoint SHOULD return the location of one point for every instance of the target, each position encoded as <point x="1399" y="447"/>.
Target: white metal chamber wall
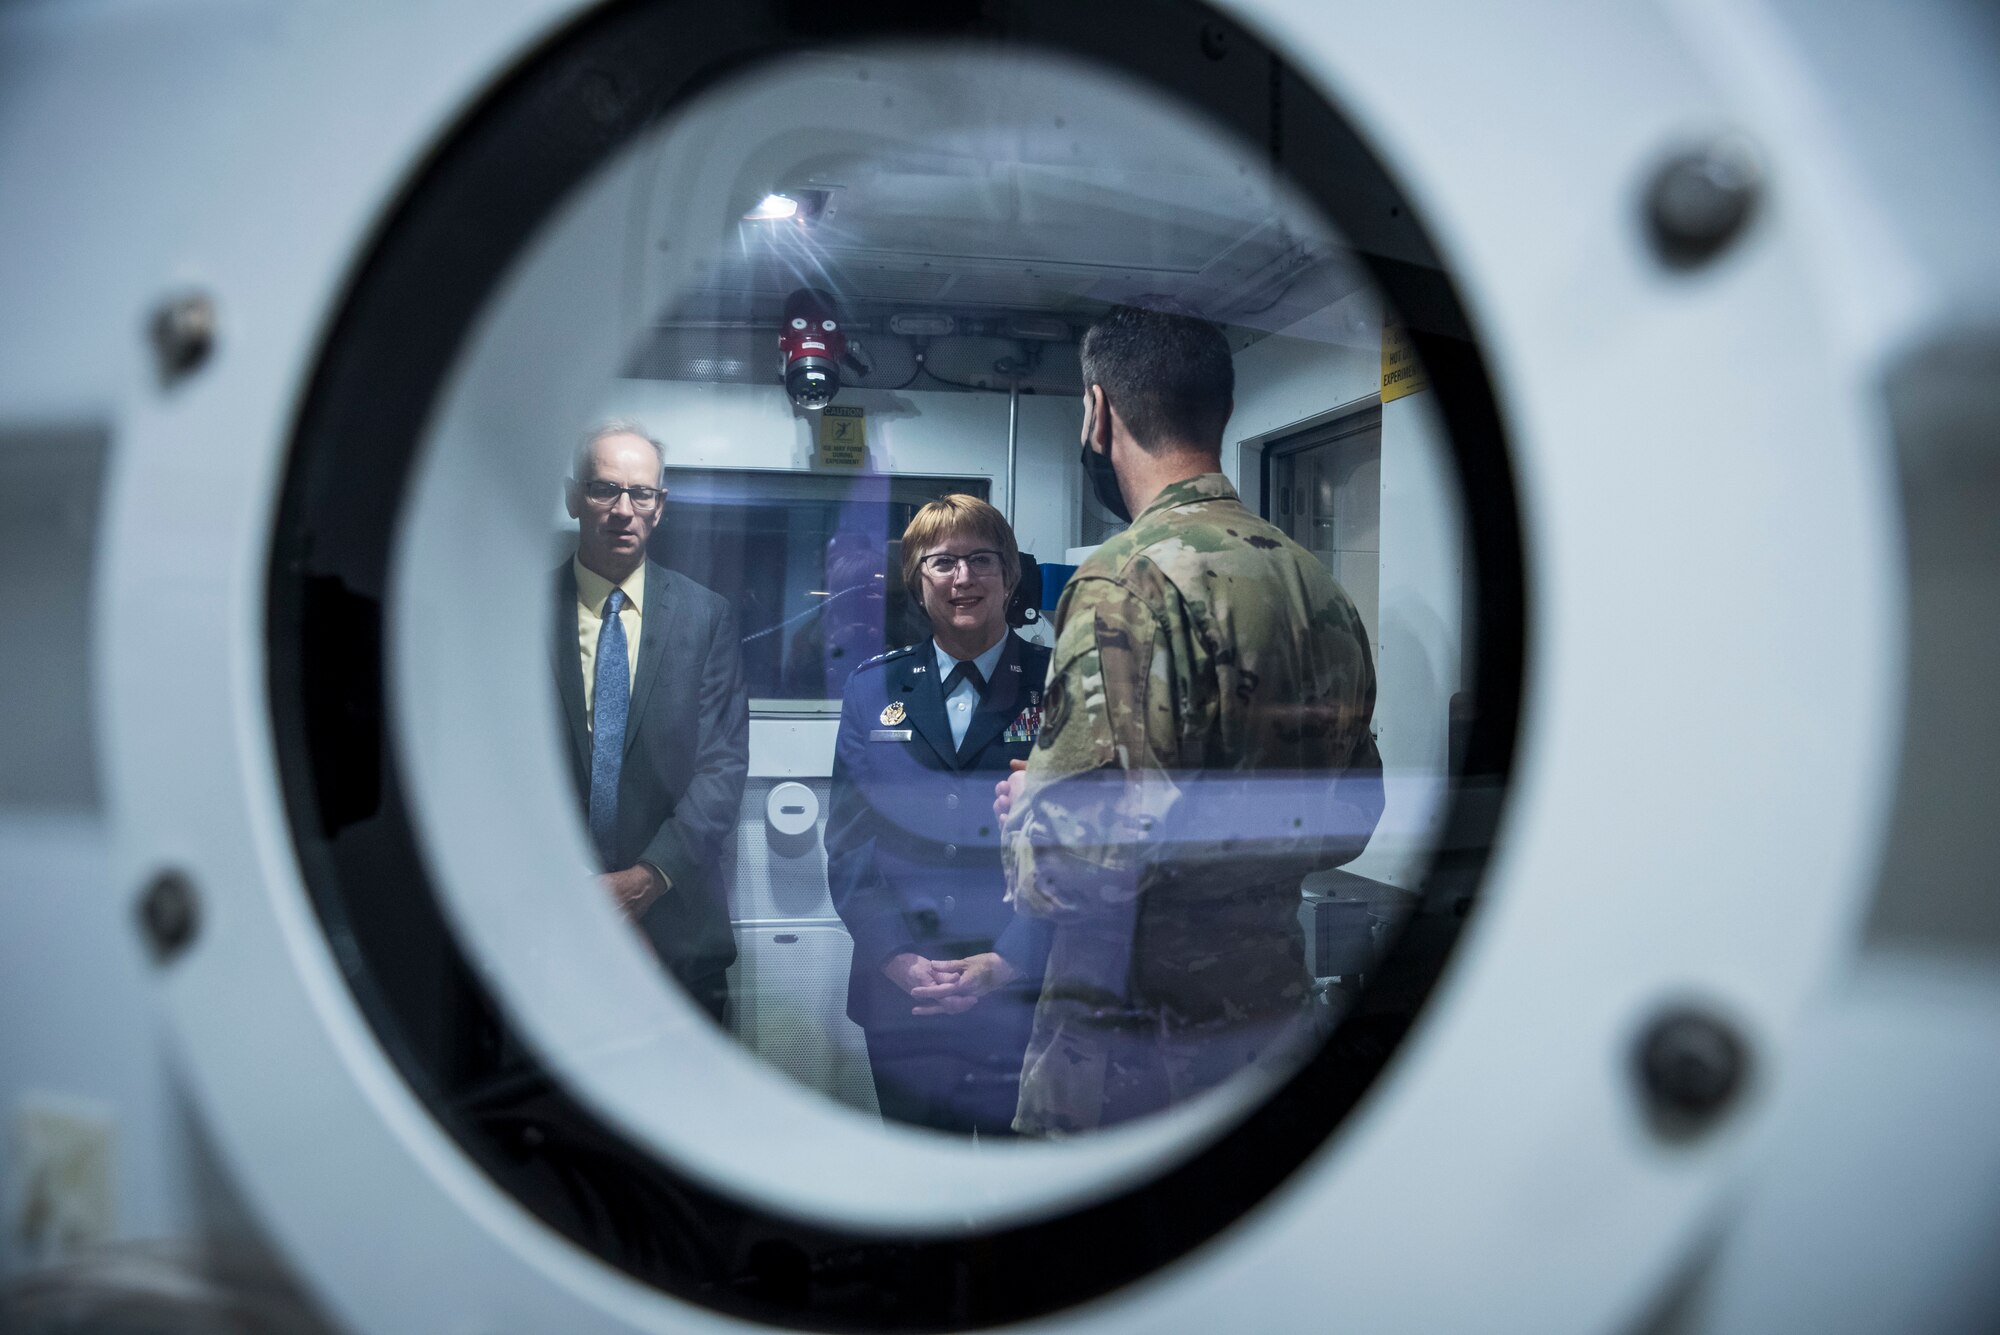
<point x="1692" y="241"/>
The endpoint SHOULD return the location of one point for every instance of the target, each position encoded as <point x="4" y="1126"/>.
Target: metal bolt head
<point x="1700" y="199"/>
<point x="183" y="333"/>
<point x="169" y="914"/>
<point x="1690" y="1065"/>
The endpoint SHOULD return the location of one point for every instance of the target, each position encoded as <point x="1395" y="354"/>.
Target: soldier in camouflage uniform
<point x="1210" y="683"/>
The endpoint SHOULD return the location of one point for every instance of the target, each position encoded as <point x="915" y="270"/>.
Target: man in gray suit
<point x="648" y="666"/>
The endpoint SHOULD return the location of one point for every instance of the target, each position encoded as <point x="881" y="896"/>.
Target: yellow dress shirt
<point x="591" y="591"/>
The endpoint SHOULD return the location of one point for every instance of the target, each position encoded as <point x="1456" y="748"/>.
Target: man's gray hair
<point x="579" y="464"/>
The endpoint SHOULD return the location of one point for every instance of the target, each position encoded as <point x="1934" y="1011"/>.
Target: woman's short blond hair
<point x="957" y="516"/>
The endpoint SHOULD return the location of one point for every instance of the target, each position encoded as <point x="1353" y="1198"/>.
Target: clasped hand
<point x="948" y="987"/>
<point x="633" y="890"/>
<point x="1007" y="792"/>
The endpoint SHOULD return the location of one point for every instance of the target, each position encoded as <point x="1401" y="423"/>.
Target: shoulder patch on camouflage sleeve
<point x="1055" y="714"/>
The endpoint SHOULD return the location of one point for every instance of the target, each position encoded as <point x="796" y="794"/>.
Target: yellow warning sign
<point x="1402" y="373"/>
<point x="843" y="438"/>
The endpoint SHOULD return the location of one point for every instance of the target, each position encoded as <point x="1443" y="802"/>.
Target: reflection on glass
<point x="1234" y="713"/>
<point x="809" y="562"/>
<point x="1201" y="847"/>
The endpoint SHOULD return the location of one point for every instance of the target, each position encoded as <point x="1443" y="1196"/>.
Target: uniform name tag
<point x="889" y="734"/>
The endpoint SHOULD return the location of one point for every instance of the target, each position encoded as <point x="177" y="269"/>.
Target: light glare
<point x="773" y="207"/>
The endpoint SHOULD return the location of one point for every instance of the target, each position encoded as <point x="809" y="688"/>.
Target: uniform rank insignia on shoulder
<point x="882" y="658"/>
<point x="1027" y="723"/>
<point x="893" y="713"/>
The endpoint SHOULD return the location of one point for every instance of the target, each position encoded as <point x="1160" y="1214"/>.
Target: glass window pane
<point x="1263" y="809"/>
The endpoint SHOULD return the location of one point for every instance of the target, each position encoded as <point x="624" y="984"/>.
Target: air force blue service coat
<point x="913" y="849"/>
<point x="680" y="787"/>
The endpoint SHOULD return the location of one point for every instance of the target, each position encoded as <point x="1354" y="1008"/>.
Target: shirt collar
<point x="1192" y="490"/>
<point x="986" y="662"/>
<point x="592" y="588"/>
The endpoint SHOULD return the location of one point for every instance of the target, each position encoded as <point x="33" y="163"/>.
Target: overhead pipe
<point x="1013" y="368"/>
<point x="1013" y="441"/>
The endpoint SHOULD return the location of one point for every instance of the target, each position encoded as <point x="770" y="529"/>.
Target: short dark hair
<point x="1166" y="369"/>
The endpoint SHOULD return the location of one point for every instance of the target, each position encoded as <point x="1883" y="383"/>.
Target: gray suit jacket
<point x="680" y="788"/>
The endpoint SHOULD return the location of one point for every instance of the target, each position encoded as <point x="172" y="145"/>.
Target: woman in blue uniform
<point x="945" y="976"/>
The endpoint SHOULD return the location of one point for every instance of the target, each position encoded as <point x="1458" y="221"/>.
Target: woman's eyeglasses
<point x="941" y="565"/>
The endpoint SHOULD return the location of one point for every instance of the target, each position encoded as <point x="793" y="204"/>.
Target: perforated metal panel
<point x="792" y="954"/>
<point x="718" y="356"/>
<point x="790" y="986"/>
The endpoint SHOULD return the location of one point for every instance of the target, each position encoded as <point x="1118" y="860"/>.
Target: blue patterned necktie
<point x="611" y="697"/>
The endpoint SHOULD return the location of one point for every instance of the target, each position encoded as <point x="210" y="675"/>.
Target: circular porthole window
<point x="827" y="274"/>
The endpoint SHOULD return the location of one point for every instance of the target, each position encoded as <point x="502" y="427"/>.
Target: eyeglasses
<point x="604" y="495"/>
<point x="940" y="565"/>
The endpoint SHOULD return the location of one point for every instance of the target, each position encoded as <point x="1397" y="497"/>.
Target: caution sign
<point x="843" y="438"/>
<point x="1402" y="373"/>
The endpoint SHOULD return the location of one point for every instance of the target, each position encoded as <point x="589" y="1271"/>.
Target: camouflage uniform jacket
<point x="1210" y="682"/>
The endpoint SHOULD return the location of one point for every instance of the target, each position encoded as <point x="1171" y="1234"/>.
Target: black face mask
<point x="1104" y="482"/>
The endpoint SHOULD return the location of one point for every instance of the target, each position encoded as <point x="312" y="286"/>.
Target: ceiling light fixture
<point x="773" y="208"/>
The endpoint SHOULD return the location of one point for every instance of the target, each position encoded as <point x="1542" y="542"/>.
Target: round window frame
<point x="495" y="179"/>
